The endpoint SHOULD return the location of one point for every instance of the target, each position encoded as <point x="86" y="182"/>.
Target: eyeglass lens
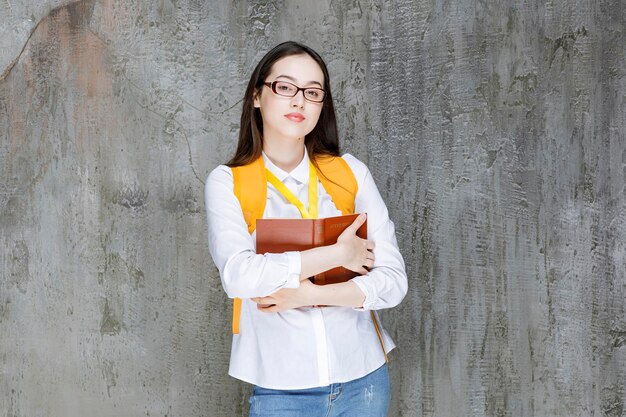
<point x="286" y="89"/>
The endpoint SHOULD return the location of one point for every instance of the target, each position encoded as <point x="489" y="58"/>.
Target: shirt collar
<point x="299" y="173"/>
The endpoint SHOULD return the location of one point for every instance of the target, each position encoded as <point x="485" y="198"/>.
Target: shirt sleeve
<point x="243" y="272"/>
<point x="386" y="284"/>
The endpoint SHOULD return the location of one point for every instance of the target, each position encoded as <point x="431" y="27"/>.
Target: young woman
<point x="303" y="360"/>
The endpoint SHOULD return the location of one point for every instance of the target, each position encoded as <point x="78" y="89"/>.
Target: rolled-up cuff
<point x="368" y="303"/>
<point x="294" y="268"/>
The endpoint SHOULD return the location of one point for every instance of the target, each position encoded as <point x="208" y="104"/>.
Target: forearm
<point x="317" y="260"/>
<point x="344" y="294"/>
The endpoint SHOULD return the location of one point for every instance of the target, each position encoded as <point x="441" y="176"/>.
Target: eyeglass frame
<point x="272" y="86"/>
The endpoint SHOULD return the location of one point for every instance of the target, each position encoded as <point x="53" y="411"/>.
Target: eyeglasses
<point x="285" y="89"/>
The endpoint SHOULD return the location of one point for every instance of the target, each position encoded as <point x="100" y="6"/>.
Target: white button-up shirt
<point x="304" y="347"/>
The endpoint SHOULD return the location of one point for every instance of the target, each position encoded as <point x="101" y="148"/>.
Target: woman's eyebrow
<point x="294" y="80"/>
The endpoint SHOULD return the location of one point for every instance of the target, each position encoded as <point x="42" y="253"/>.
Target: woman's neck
<point x="285" y="156"/>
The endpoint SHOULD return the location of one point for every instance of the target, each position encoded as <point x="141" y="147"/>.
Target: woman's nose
<point x="298" y="99"/>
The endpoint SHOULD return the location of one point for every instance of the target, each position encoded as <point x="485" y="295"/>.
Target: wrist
<point x="337" y="255"/>
<point x="315" y="294"/>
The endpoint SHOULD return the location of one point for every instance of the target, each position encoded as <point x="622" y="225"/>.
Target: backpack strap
<point x="343" y="186"/>
<point x="250" y="188"/>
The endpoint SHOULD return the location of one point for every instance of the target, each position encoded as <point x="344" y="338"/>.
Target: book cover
<point x="282" y="235"/>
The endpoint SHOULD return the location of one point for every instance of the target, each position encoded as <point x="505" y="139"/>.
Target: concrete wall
<point x="495" y="131"/>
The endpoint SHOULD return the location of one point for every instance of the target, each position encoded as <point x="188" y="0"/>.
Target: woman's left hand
<point x="287" y="298"/>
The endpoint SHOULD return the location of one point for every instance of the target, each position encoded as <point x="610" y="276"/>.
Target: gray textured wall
<point x="495" y="130"/>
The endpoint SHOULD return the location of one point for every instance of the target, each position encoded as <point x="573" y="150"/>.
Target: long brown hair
<point x="322" y="140"/>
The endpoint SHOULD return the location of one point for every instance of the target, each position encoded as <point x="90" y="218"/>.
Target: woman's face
<point x="290" y="118"/>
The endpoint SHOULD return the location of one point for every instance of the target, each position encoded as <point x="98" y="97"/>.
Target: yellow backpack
<point x="250" y="188"/>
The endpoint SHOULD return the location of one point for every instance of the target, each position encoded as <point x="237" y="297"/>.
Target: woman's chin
<point x="293" y="136"/>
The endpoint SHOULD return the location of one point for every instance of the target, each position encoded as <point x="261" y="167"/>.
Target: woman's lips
<point x="295" y="117"/>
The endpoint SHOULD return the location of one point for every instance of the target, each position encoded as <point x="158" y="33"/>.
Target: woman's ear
<point x="257" y="99"/>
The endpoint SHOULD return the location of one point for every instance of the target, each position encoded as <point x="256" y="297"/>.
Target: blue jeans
<point x="363" y="397"/>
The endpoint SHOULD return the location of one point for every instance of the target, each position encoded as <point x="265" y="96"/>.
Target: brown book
<point x="283" y="235"/>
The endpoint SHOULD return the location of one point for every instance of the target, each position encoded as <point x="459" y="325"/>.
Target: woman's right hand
<point x="356" y="254"/>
